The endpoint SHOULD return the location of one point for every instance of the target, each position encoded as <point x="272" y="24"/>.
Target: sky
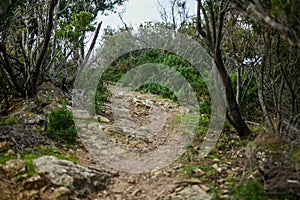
<point x="136" y="12"/>
<point x="139" y="11"/>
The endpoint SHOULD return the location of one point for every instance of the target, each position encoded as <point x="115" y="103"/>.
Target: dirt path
<point x="136" y="144"/>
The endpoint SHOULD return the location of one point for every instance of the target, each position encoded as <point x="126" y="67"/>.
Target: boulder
<point x="82" y="180"/>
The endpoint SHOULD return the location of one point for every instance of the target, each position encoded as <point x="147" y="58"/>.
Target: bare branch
<point x="289" y="34"/>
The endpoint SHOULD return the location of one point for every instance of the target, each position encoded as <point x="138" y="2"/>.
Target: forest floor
<point x="190" y="176"/>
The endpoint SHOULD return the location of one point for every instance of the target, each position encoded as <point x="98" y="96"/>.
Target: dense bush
<point x="156" y="56"/>
<point x="61" y="125"/>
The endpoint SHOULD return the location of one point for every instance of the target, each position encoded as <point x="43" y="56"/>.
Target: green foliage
<point x="6" y="157"/>
<point x="10" y="120"/>
<point x="57" y="153"/>
<point x="251" y="190"/>
<point x="29" y="157"/>
<point x="80" y="23"/>
<point x="61" y="125"/>
<point x="156" y="56"/>
<point x="150" y="56"/>
<point x="101" y="95"/>
<point x="249" y="101"/>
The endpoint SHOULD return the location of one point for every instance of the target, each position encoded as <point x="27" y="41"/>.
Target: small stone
<point x="31" y="194"/>
<point x="34" y="182"/>
<point x="49" y="108"/>
<point x="215" y="166"/>
<point x="156" y="173"/>
<point x="14" y="167"/>
<point x="219" y="169"/>
<point x="93" y="126"/>
<point x="191" y="192"/>
<point x="120" y="188"/>
<point x="135" y="192"/>
<point x="61" y="193"/>
<point x="204" y="188"/>
<point x="131" y="180"/>
<point x="3" y="145"/>
<point x="103" y="119"/>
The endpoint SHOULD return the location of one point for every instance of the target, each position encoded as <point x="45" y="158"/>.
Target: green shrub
<point x="125" y="63"/>
<point x="10" y="120"/>
<point x="251" y="190"/>
<point x="61" y="125"/>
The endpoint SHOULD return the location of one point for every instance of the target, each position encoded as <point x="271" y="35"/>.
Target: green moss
<point x="10" y="120"/>
<point x="296" y="156"/>
<point x="29" y="157"/>
<point x="251" y="190"/>
<point x="4" y="158"/>
<point x="57" y="153"/>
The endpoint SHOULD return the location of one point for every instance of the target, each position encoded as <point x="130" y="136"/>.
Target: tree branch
<point x="72" y="80"/>
<point x="45" y="45"/>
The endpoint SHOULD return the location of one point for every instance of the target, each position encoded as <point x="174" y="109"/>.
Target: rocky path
<point x="127" y="152"/>
<point x="135" y="141"/>
<point x="130" y="151"/>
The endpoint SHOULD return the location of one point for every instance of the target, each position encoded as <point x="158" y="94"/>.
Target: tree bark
<point x="212" y="36"/>
<point x="236" y="118"/>
<point x="41" y="57"/>
<point x="262" y="99"/>
<point x="9" y="69"/>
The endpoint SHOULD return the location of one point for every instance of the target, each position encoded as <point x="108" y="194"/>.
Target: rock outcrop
<point x="69" y="178"/>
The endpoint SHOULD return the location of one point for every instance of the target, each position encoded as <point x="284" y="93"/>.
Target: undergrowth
<point x="61" y="126"/>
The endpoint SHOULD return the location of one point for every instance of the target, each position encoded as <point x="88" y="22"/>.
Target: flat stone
<point x="191" y="192"/>
<point x="103" y="119"/>
<point x="83" y="180"/>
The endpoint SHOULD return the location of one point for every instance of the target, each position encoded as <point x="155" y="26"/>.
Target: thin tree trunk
<point x="9" y="69"/>
<point x="235" y="115"/>
<point x="41" y="56"/>
<point x="212" y="36"/>
<point x="261" y="98"/>
<point x="72" y="80"/>
<point x="239" y="86"/>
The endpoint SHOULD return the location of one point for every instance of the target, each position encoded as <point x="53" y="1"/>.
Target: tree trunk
<point x="235" y="116"/>
<point x="261" y="98"/>
<point x="43" y="52"/>
<point x="239" y="86"/>
<point x="211" y="30"/>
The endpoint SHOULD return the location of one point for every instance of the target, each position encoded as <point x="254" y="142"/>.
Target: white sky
<point x="139" y="11"/>
<point x="136" y="12"/>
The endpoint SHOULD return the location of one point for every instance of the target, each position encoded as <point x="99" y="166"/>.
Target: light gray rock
<point x="63" y="173"/>
<point x="191" y="192"/>
<point x="103" y="119"/>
